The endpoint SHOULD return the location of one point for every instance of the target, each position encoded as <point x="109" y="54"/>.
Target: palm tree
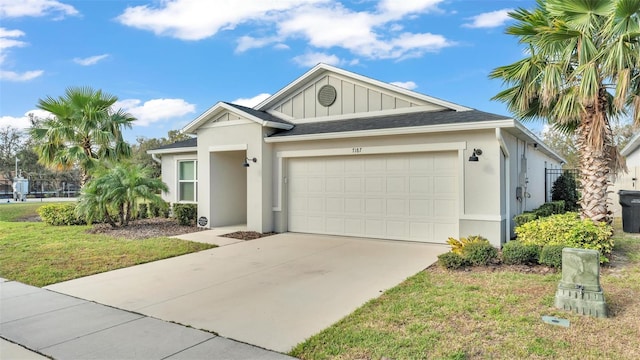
<point x="83" y="131"/>
<point x="582" y="69"/>
<point x="113" y="194"/>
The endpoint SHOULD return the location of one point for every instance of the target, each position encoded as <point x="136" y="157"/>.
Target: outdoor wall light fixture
<point x="246" y="161"/>
<point x="474" y="156"/>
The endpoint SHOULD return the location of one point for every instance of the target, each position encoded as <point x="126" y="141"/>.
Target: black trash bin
<point x="630" y="201"/>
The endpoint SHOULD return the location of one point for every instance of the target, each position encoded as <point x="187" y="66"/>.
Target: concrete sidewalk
<point x="66" y="327"/>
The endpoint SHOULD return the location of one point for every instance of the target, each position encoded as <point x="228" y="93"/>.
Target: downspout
<point x="507" y="183"/>
<point x="156" y="159"/>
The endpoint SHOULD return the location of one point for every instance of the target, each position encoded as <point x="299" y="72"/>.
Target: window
<point x="188" y="181"/>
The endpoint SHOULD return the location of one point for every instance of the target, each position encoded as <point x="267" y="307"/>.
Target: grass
<point x="440" y="314"/>
<point x="38" y="254"/>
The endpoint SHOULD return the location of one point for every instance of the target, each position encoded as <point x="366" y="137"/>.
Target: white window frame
<point x="180" y="181"/>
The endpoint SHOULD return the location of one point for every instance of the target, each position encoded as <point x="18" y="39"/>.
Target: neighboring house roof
<point x="414" y="119"/>
<point x="189" y="145"/>
<point x="633" y="144"/>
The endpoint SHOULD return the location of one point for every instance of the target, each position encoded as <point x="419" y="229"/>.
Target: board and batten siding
<point x="351" y="98"/>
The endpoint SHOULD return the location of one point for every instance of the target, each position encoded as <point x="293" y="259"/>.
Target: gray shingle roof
<point x="193" y="142"/>
<point x="391" y="121"/>
<point x="263" y="115"/>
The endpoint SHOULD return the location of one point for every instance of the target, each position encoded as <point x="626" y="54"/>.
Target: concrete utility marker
<point x="66" y="327"/>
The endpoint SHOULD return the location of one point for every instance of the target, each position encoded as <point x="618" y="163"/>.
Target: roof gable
<point x="349" y="94"/>
<point x="223" y="111"/>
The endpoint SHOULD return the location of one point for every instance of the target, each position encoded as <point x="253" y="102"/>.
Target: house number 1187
<point x="357" y="150"/>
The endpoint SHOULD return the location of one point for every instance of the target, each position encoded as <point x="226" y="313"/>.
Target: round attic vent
<point x="327" y="95"/>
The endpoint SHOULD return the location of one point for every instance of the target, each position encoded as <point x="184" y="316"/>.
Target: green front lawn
<point x="38" y="254"/>
<point x="480" y="314"/>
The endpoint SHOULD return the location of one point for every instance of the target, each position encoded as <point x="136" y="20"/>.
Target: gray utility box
<point x="630" y="201"/>
<point x="579" y="290"/>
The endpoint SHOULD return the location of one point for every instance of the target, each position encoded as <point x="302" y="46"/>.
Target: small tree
<point x="565" y="188"/>
<point x="113" y="194"/>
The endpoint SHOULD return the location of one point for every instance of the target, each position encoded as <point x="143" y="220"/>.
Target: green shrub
<point x="457" y="246"/>
<point x="565" y="188"/>
<point x="568" y="230"/>
<point x="185" y="213"/>
<point x="165" y="210"/>
<point x="546" y="209"/>
<point x="451" y="261"/>
<point x="517" y="253"/>
<point x="524" y="218"/>
<point x="154" y="210"/>
<point x="60" y="214"/>
<point x="551" y="255"/>
<point x="479" y="253"/>
<point x="143" y="211"/>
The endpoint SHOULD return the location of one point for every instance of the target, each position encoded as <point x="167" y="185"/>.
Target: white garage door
<point x="392" y="196"/>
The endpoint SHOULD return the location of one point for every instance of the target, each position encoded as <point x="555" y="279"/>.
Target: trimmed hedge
<point x="479" y="253"/>
<point x="451" y="261"/>
<point x="60" y="214"/>
<point x="570" y="231"/>
<point x="551" y="255"/>
<point x="546" y="209"/>
<point x="517" y="253"/>
<point x="185" y="213"/>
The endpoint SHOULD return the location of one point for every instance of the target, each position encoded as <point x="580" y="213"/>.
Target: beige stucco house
<point x="339" y="153"/>
<point x="628" y="180"/>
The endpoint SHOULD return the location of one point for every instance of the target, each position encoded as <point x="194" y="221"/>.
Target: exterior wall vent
<point x="327" y="95"/>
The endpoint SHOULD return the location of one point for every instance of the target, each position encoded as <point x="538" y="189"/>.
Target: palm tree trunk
<point x="594" y="166"/>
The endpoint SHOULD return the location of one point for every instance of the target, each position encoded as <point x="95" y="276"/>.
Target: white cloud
<point x="155" y="110"/>
<point x="489" y="19"/>
<point x="409" y="85"/>
<point x="196" y="20"/>
<point x="19" y="77"/>
<point x="7" y="38"/>
<point x="251" y="102"/>
<point x="7" y="41"/>
<point x="91" y="60"/>
<point x="20" y="8"/>
<point x="324" y="24"/>
<point x="401" y="8"/>
<point x="23" y="122"/>
<point x="313" y="58"/>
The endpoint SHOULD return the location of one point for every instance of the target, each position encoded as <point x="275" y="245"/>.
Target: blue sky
<point x="168" y="61"/>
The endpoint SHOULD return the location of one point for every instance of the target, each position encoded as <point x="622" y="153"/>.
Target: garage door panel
<point x="354" y="206"/>
<point x="353" y="185"/>
<point x="374" y="185"/>
<point x="396" y="207"/>
<point x="399" y="196"/>
<point x="335" y="225"/>
<point x="445" y="185"/>
<point x="421" y="208"/>
<point x="335" y="205"/>
<point x="374" y="206"/>
<point x="335" y="185"/>
<point x="396" y="184"/>
<point x="421" y="184"/>
<point x="354" y="226"/>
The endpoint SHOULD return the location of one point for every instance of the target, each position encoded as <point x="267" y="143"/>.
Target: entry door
<point x="392" y="196"/>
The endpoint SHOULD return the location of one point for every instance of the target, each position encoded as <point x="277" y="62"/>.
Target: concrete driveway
<point x="273" y="292"/>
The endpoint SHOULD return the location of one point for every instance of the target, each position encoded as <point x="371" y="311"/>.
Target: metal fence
<point x="39" y="188"/>
<point x="551" y="175"/>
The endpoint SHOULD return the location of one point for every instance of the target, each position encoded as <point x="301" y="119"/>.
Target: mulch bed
<point x="145" y="228"/>
<point x="247" y="235"/>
